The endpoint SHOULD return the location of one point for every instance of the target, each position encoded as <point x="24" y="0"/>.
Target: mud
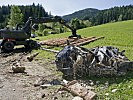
<point x="20" y="86"/>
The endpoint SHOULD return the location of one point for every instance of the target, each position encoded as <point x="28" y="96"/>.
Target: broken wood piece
<point x="76" y="89"/>
<point x="50" y="50"/>
<point x="73" y="41"/>
<point x="87" y="42"/>
<point x="31" y="57"/>
<point x="76" y="41"/>
<point x="45" y="86"/>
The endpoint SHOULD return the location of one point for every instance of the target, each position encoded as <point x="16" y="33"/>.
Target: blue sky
<point x="63" y="7"/>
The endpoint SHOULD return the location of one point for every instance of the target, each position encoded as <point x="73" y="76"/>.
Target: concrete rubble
<point x="17" y="68"/>
<point x="99" y="61"/>
<point x="77" y="98"/>
<point x="81" y="92"/>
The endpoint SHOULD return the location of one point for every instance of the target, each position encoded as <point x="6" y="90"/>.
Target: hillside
<point x="81" y="14"/>
<point x="98" y="17"/>
<point x="119" y="35"/>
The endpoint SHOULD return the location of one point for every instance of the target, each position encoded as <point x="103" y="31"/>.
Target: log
<point x="31" y="57"/>
<point x="76" y="41"/>
<point x="50" y="50"/>
<point x="87" y="42"/>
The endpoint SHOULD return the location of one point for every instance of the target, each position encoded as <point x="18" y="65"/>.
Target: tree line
<point x="100" y="17"/>
<point x="112" y="15"/>
<point x="91" y="17"/>
<point x="27" y="11"/>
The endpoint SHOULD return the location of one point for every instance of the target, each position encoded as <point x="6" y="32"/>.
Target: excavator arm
<point x="51" y="19"/>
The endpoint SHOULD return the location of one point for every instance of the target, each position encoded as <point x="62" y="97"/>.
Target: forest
<point x="80" y="19"/>
<point x="112" y="15"/>
<point x="97" y="17"/>
<point x="28" y="11"/>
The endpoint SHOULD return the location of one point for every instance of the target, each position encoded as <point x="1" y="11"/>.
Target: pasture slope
<point x="119" y="34"/>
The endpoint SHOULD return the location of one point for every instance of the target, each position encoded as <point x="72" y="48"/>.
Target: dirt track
<point x="20" y="86"/>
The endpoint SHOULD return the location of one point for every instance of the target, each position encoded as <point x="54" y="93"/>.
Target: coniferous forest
<point x="97" y="17"/>
<point x="28" y="11"/>
<point x="113" y="14"/>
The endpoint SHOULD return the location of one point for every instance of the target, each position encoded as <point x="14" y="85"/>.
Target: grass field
<point x="118" y="34"/>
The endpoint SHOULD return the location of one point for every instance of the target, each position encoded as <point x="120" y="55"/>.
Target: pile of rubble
<point x="106" y="60"/>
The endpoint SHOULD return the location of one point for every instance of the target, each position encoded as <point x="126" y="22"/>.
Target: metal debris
<point x="106" y="60"/>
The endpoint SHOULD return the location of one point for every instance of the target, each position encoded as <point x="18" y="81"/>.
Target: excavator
<point x="11" y="38"/>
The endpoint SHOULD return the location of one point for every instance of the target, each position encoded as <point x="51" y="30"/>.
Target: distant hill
<point x="97" y="17"/>
<point x="81" y="14"/>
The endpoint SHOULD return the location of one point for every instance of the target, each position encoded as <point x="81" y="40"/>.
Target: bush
<point x="39" y="33"/>
<point x="45" y="32"/>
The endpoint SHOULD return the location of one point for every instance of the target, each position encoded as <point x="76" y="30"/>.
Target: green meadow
<point x="120" y="35"/>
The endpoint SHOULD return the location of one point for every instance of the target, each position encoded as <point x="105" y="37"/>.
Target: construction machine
<point x="17" y="36"/>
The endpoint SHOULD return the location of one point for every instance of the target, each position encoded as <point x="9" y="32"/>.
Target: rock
<point x="97" y="82"/>
<point x="77" y="89"/>
<point x="1" y="86"/>
<point x="107" y="83"/>
<point x="89" y="88"/>
<point x="43" y="95"/>
<point x="90" y="95"/>
<point x="13" y="89"/>
<point x="66" y="95"/>
<point x="65" y="82"/>
<point x="77" y="98"/>
<point x="106" y="94"/>
<point x="102" y="87"/>
<point x="18" y="69"/>
<point x="114" y="90"/>
<point x="92" y="83"/>
<point x="55" y="98"/>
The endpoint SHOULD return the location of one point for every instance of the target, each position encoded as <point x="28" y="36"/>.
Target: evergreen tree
<point x="16" y="16"/>
<point x="75" y="23"/>
<point x="120" y="18"/>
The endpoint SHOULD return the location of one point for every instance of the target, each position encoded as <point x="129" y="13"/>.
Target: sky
<point x="64" y="7"/>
